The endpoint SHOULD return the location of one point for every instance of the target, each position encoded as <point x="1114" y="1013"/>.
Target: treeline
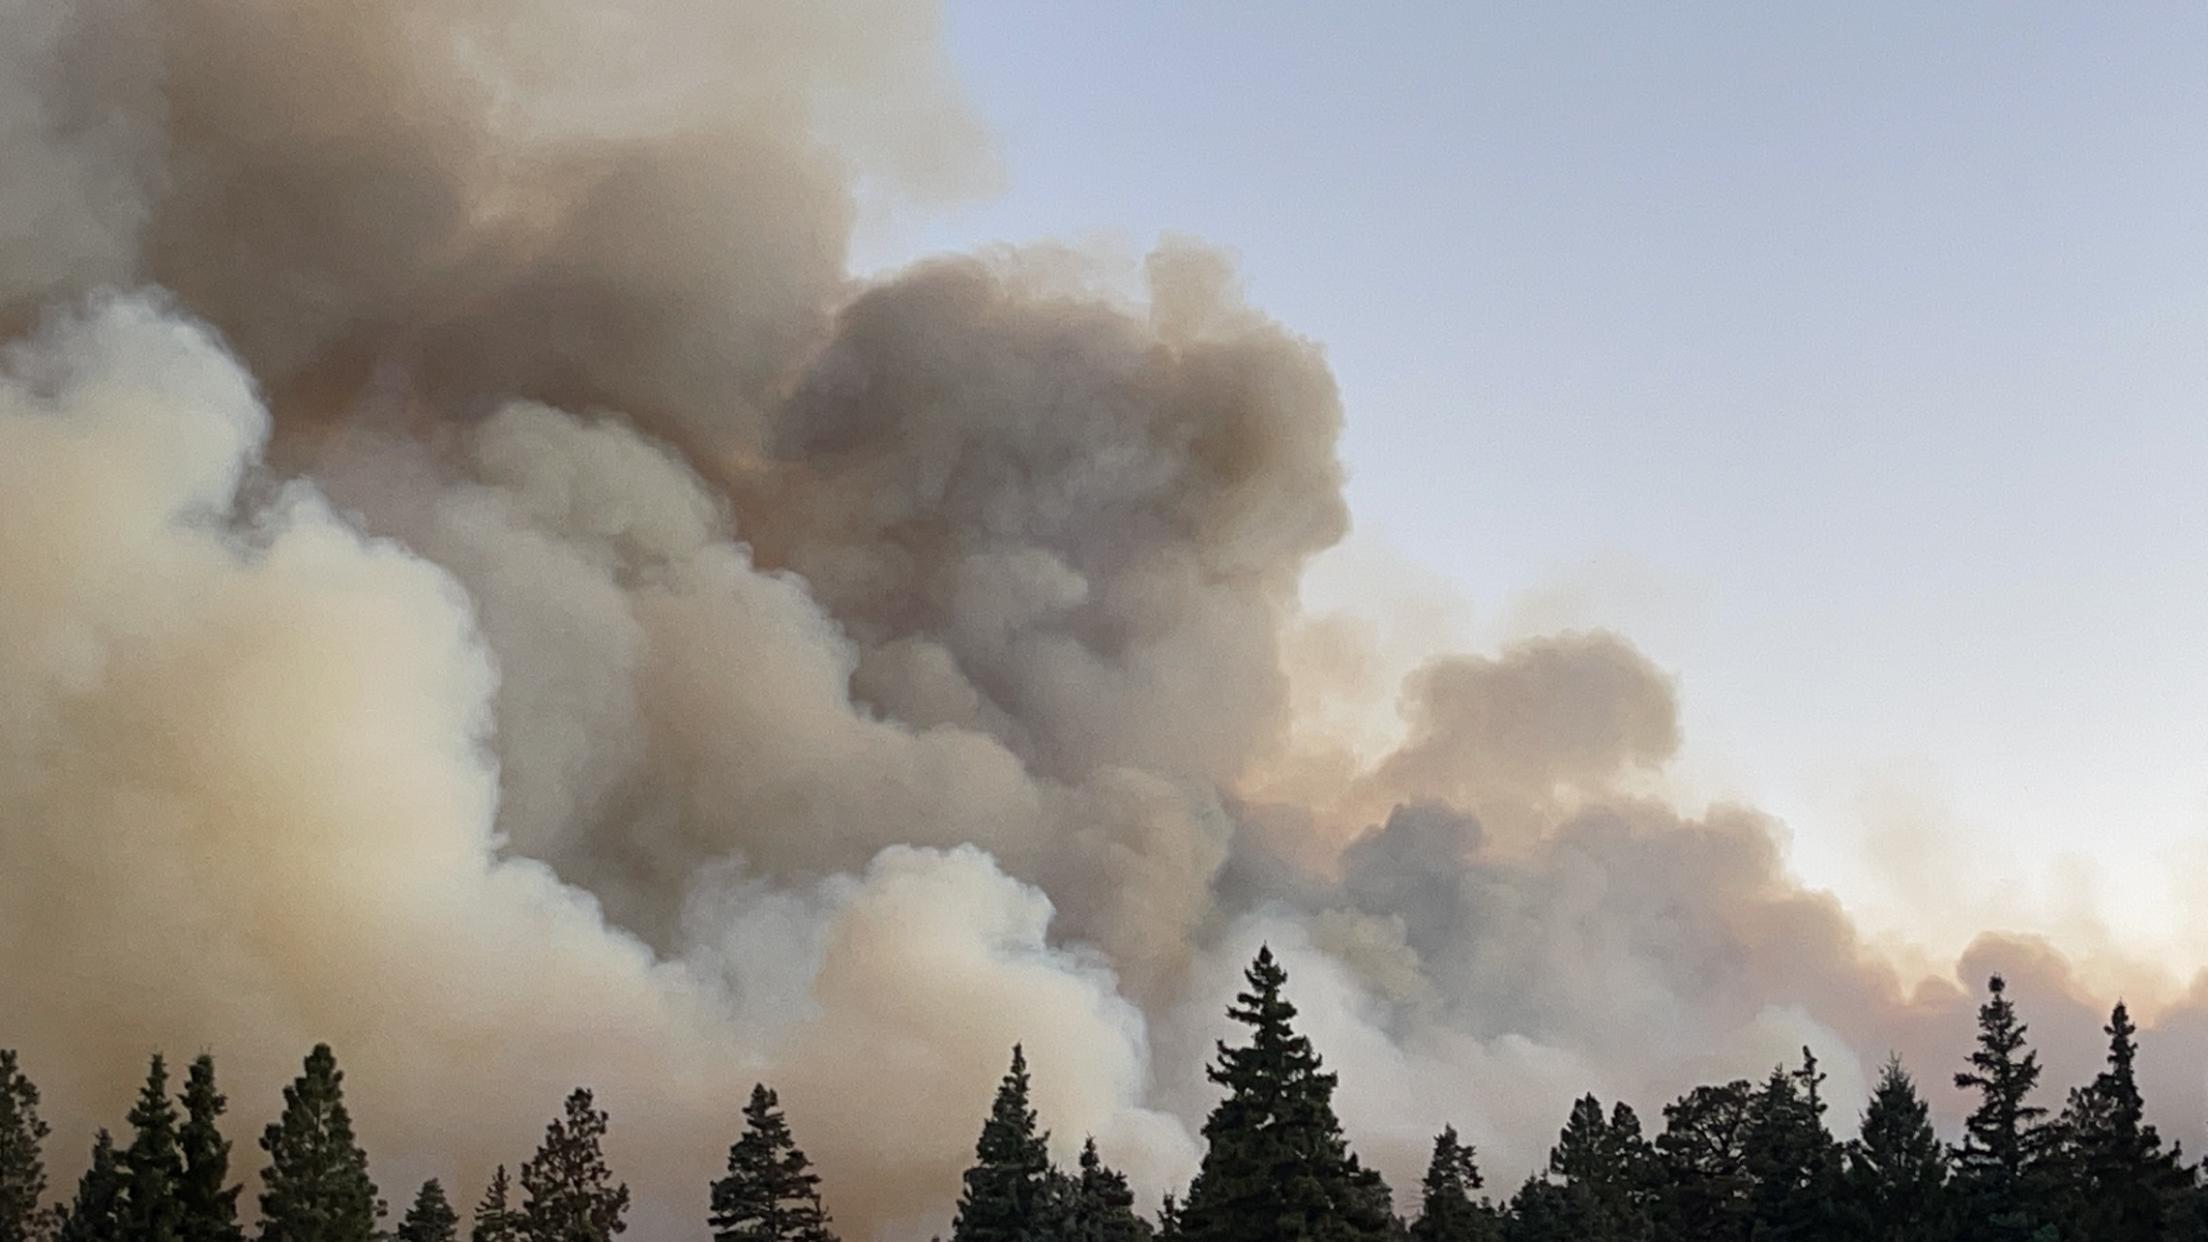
<point x="1737" y="1162"/>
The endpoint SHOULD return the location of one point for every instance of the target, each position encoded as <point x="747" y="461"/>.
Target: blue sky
<point x="1853" y="360"/>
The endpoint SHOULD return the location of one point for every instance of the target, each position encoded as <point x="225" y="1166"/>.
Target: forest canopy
<point x="1740" y="1161"/>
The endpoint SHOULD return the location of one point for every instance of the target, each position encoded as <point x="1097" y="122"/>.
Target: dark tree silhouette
<point x="208" y="1196"/>
<point x="431" y="1218"/>
<point x="316" y="1187"/>
<point x="1703" y="1158"/>
<point x="153" y="1164"/>
<point x="1098" y="1206"/>
<point x="571" y="1194"/>
<point x="1897" y="1170"/>
<point x="1996" y="1169"/>
<point x="1007" y="1191"/>
<point x="1447" y="1212"/>
<point x="1277" y="1168"/>
<point x="2121" y="1185"/>
<point x="1792" y="1160"/>
<point x="1169" y="1218"/>
<point x="1604" y="1168"/>
<point x="496" y="1217"/>
<point x="22" y="1155"/>
<point x="96" y="1214"/>
<point x="771" y="1193"/>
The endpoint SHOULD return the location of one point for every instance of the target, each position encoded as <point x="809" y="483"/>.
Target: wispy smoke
<point x="483" y="587"/>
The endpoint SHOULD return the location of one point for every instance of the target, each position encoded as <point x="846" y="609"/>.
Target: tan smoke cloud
<point x="1549" y="721"/>
<point x="511" y="606"/>
<point x="250" y="808"/>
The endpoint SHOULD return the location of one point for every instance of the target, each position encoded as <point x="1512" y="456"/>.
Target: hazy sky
<point x="1852" y="361"/>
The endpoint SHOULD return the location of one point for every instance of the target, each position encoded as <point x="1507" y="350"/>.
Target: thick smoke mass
<point x="481" y="585"/>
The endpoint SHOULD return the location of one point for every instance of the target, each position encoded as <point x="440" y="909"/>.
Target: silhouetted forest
<point x="1744" y="1160"/>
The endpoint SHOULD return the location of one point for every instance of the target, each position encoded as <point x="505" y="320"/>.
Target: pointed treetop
<point x="1276" y="1165"/>
<point x="571" y="1193"/>
<point x="1447" y="1212"/>
<point x="431" y="1219"/>
<point x="153" y="1165"/>
<point x="1005" y="1191"/>
<point x="96" y="1214"/>
<point x="209" y="1197"/>
<point x="770" y="1193"/>
<point x="496" y="1219"/>
<point x="316" y="1187"/>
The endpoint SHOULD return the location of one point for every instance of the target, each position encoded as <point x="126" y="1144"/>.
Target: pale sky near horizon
<point x="1851" y="360"/>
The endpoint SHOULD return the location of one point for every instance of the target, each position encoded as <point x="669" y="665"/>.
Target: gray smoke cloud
<point x="484" y="587"/>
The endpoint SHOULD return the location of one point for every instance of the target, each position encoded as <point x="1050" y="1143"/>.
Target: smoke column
<point x="481" y="585"/>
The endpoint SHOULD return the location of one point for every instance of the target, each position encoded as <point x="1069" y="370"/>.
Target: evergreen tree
<point x="431" y="1219"/>
<point x="771" y="1193"/>
<point x="1897" y="1168"/>
<point x="22" y="1159"/>
<point x="1703" y="1157"/>
<point x="1543" y="1211"/>
<point x="1603" y="1168"/>
<point x="1056" y="1206"/>
<point x="1581" y="1146"/>
<point x="1634" y="1173"/>
<point x="316" y="1186"/>
<point x="96" y="1214"/>
<point x="1447" y="1211"/>
<point x="1007" y="1191"/>
<point x="496" y="1220"/>
<point x="1277" y="1168"/>
<point x="2122" y="1186"/>
<point x="153" y="1165"/>
<point x="1099" y="1206"/>
<point x="1996" y="1168"/>
<point x="209" y="1199"/>
<point x="1169" y="1219"/>
<point x="571" y="1193"/>
<point x="1792" y="1160"/>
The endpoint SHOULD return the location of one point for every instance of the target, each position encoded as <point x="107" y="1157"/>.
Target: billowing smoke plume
<point x="483" y="587"/>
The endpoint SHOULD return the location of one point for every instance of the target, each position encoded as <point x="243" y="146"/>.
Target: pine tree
<point x="209" y="1199"/>
<point x="571" y="1193"/>
<point x="1007" y="1190"/>
<point x="1055" y="1207"/>
<point x="1604" y="1165"/>
<point x="1792" y="1159"/>
<point x="1632" y="1160"/>
<point x="1099" y="1206"/>
<point x="1580" y="1147"/>
<point x="1447" y="1212"/>
<point x="496" y="1220"/>
<point x="1277" y="1168"/>
<point x="1703" y="1155"/>
<point x="431" y="1219"/>
<point x="1996" y="1168"/>
<point x="96" y="1214"/>
<point x="771" y="1193"/>
<point x="153" y="1165"/>
<point x="1578" y="1158"/>
<point x="1897" y="1169"/>
<point x="1169" y="1219"/>
<point x="316" y="1186"/>
<point x="1544" y="1211"/>
<point x="2122" y="1185"/>
<point x="22" y="1159"/>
